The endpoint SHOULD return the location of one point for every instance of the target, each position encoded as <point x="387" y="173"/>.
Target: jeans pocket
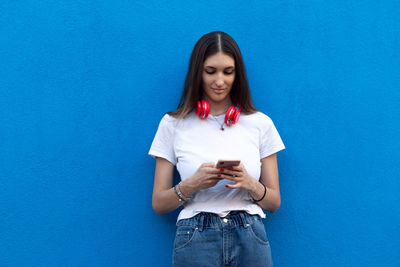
<point x="184" y="236"/>
<point x="257" y="230"/>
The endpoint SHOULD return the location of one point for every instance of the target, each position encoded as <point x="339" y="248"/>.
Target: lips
<point x="218" y="91"/>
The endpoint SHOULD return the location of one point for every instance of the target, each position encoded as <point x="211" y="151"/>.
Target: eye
<point x="229" y="72"/>
<point x="210" y="71"/>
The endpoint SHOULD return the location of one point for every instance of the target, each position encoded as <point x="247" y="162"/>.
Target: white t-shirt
<point x="190" y="142"/>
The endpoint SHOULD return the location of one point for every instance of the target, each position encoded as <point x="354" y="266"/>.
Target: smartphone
<point x="227" y="163"/>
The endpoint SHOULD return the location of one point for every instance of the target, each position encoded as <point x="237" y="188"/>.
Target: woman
<point x="221" y="222"/>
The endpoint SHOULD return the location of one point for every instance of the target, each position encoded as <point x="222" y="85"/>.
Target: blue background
<point x="84" y="85"/>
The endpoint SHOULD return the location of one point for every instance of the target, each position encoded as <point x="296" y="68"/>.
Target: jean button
<point x="225" y="220"/>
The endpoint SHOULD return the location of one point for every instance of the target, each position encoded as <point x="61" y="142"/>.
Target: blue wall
<point x="85" y="83"/>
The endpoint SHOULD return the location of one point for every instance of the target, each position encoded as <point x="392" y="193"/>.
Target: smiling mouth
<point x="218" y="91"/>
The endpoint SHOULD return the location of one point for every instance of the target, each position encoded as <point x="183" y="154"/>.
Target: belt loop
<point x="201" y="222"/>
<point x="243" y="218"/>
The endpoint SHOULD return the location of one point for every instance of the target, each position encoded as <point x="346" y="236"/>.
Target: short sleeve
<point x="163" y="142"/>
<point x="271" y="141"/>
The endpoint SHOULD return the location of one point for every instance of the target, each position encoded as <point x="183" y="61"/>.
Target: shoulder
<point x="178" y="122"/>
<point x="258" y="118"/>
<point x="168" y="120"/>
<point x="172" y="123"/>
<point x="166" y="125"/>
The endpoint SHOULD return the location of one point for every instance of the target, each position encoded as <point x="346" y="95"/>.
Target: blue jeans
<point x="239" y="239"/>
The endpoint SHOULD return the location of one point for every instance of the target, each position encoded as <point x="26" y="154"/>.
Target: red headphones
<point x="231" y="117"/>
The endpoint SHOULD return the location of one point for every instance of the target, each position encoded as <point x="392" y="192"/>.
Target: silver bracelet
<point x="180" y="195"/>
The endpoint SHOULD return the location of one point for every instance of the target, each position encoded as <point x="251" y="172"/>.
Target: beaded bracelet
<point x="265" y="192"/>
<point x="179" y="197"/>
<point x="179" y="193"/>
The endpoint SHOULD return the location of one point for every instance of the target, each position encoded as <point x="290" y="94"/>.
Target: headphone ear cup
<point x="197" y="110"/>
<point x="232" y="115"/>
<point x="229" y="115"/>
<point x="206" y="108"/>
<point x="202" y="109"/>
<point x="236" y="116"/>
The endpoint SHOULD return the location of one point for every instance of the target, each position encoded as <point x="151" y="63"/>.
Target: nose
<point x="219" y="82"/>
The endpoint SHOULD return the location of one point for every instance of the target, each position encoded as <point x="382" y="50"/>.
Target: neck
<point x="219" y="108"/>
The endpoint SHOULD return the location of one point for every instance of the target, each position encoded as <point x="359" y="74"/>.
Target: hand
<point x="206" y="176"/>
<point x="239" y="175"/>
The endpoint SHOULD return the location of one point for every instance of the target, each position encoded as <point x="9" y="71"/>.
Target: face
<point x="218" y="76"/>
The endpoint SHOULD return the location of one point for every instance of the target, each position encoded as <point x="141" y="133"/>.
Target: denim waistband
<point x="211" y="220"/>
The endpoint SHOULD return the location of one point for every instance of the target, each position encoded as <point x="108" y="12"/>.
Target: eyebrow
<point x="211" y="67"/>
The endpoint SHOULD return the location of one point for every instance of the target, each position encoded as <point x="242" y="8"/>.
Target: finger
<point x="232" y="173"/>
<point x="232" y="186"/>
<point x="213" y="170"/>
<point x="215" y="179"/>
<point x="208" y="164"/>
<point x="228" y="177"/>
<point x="237" y="168"/>
<point x="215" y="176"/>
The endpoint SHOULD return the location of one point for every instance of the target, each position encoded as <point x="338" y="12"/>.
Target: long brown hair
<point x="208" y="45"/>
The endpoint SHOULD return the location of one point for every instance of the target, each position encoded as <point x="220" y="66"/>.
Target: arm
<point x="164" y="196"/>
<point x="270" y="178"/>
